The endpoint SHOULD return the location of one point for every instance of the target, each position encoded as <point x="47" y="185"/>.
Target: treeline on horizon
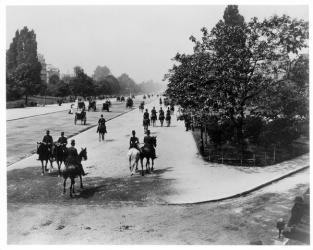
<point x="23" y="76"/>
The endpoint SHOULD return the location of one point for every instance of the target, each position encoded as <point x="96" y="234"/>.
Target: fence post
<point x="222" y="159"/>
<point x="274" y="153"/>
<point x="253" y="160"/>
<point x="265" y="157"/>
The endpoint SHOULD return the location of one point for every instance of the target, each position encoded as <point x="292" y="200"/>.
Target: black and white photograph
<point x="156" y="124"/>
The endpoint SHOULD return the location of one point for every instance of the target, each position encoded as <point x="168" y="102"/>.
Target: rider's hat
<point x="133" y="131"/>
<point x="47" y="130"/>
<point x="72" y="141"/>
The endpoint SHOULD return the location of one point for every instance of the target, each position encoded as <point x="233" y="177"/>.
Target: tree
<point x="127" y="84"/>
<point x="234" y="65"/>
<point x="81" y="84"/>
<point x="23" y="67"/>
<point x="54" y="79"/>
<point x="26" y="78"/>
<point x="232" y="17"/>
<point x="100" y="73"/>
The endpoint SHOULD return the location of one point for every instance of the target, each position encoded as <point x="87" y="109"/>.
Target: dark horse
<point x="153" y="119"/>
<point x="146" y="123"/>
<point x="102" y="129"/>
<point x="45" y="154"/>
<point x="168" y="119"/>
<point x="147" y="152"/>
<point x="72" y="171"/>
<point x="142" y="106"/>
<point x="59" y="154"/>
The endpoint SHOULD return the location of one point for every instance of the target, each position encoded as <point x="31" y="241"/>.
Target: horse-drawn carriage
<point x="106" y="106"/>
<point x="122" y="99"/>
<point x="92" y="105"/>
<point x="81" y="105"/>
<point x="129" y="103"/>
<point x="80" y="116"/>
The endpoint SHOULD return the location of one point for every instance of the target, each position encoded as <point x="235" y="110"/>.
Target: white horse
<point x="133" y="156"/>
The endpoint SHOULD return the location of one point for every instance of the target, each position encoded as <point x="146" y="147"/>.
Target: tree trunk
<point x="26" y="99"/>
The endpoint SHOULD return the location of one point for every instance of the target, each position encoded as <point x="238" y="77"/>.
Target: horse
<point x="142" y="107"/>
<point x="133" y="157"/>
<point x="80" y="116"/>
<point x="146" y="123"/>
<point x="168" y="120"/>
<point x="44" y="155"/>
<point x="72" y="171"/>
<point x="153" y="119"/>
<point x="59" y="155"/>
<point x="92" y="105"/>
<point x="161" y="118"/>
<point x="146" y="152"/>
<point x="102" y="129"/>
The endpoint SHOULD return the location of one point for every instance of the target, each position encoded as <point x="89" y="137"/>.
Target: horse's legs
<point x="42" y="168"/>
<point x="46" y="165"/>
<point x="102" y="136"/>
<point x="152" y="164"/>
<point x="141" y="160"/>
<point x="73" y="185"/>
<point x="64" y="185"/>
<point x="99" y="136"/>
<point x="81" y="181"/>
<point x="148" y="165"/>
<point x="59" y="168"/>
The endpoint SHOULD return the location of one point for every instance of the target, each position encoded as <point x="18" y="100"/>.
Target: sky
<point x="137" y="40"/>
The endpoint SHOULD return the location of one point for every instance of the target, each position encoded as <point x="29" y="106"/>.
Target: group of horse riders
<point x="70" y="153"/>
<point x="146" y="116"/>
<point x="147" y="140"/>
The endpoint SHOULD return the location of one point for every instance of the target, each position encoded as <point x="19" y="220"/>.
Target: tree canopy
<point x="236" y="65"/>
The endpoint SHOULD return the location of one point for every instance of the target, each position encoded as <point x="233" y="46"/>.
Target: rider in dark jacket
<point x="134" y="141"/>
<point x="153" y="112"/>
<point x="101" y="123"/>
<point x="161" y="113"/>
<point x="72" y="157"/>
<point x="148" y="141"/>
<point x="63" y="141"/>
<point x="146" y="114"/>
<point x="48" y="140"/>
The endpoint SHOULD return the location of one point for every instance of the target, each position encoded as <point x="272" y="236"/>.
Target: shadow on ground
<point x="28" y="186"/>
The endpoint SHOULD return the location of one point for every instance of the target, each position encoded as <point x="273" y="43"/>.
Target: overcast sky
<point x="137" y="40"/>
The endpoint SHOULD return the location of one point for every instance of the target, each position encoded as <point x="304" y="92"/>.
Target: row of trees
<point x="23" y="77"/>
<point x="245" y="80"/>
<point x="102" y="82"/>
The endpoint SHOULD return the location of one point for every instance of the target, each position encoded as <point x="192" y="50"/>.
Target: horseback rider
<point x="101" y="123"/>
<point x="148" y="142"/>
<point x="168" y="112"/>
<point x="63" y="141"/>
<point x="146" y="115"/>
<point x="47" y="139"/>
<point x="72" y="157"/>
<point x="134" y="141"/>
<point x="153" y="112"/>
<point x="161" y="113"/>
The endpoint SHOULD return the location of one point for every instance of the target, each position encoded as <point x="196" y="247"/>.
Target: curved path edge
<point x="245" y="192"/>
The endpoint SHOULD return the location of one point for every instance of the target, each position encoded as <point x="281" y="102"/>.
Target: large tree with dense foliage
<point x="234" y="65"/>
<point x="23" y="67"/>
